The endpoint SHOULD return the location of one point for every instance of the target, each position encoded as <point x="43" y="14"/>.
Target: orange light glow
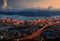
<point x="42" y="4"/>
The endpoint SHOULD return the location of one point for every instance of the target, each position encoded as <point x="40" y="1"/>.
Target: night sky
<point x="32" y="3"/>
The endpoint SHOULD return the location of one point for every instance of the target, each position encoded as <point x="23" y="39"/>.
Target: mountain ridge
<point x="31" y="12"/>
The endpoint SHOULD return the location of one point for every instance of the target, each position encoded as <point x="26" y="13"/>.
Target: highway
<point x="38" y="32"/>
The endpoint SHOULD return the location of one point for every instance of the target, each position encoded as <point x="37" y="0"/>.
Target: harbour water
<point x="20" y="17"/>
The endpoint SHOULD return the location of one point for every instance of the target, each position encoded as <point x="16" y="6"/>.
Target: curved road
<point x="38" y="32"/>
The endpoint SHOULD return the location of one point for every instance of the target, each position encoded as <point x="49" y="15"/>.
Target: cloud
<point x="39" y="3"/>
<point x="10" y="8"/>
<point x="33" y="3"/>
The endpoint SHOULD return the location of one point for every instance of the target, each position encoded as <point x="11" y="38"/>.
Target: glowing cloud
<point x="4" y="4"/>
<point x="39" y="3"/>
<point x="45" y="4"/>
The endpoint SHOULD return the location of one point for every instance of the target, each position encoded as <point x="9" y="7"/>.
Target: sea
<point x="18" y="17"/>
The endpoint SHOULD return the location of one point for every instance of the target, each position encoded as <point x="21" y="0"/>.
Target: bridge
<point x="47" y="23"/>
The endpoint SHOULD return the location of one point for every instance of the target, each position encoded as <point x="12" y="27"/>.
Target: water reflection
<point x="19" y="17"/>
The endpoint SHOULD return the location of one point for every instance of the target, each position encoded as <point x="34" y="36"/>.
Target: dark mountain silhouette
<point x="31" y="12"/>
